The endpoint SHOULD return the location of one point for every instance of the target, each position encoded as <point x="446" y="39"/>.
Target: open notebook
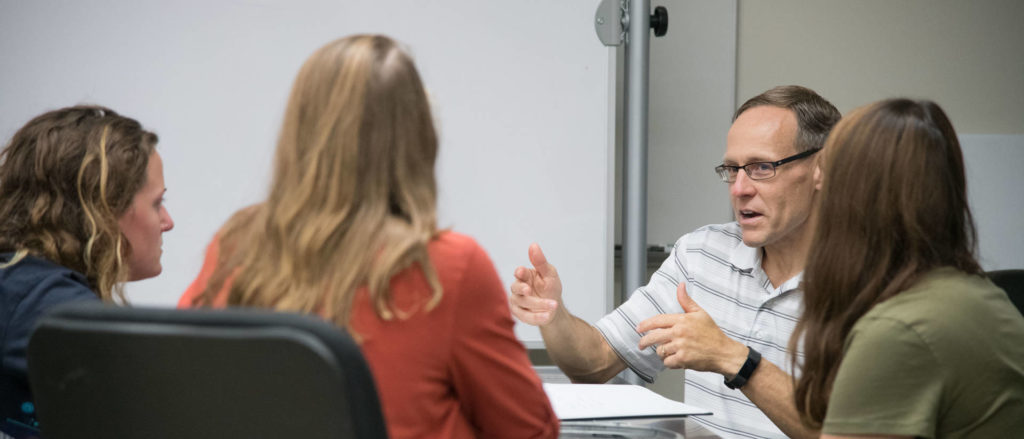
<point x="573" y="402"/>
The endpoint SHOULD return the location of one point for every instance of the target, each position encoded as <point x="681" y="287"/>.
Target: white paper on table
<point x="613" y="401"/>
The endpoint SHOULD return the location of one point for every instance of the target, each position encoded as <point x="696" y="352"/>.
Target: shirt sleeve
<point x="495" y="383"/>
<point x="889" y="382"/>
<point x="655" y="298"/>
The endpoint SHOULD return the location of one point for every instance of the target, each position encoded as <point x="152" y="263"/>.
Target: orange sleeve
<point x="199" y="284"/>
<point x="497" y="387"/>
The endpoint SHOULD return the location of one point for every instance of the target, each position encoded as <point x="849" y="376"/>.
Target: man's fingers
<point x="531" y="309"/>
<point x="688" y="304"/>
<point x="524" y="274"/>
<point x="666" y="350"/>
<point x="527" y="301"/>
<point x="540" y="262"/>
<point x="517" y="287"/>
<point x="658" y="321"/>
<point x="520" y="288"/>
<point x="532" y="318"/>
<point x="655" y="337"/>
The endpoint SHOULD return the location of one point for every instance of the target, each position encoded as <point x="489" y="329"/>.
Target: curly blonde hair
<point x="65" y="179"/>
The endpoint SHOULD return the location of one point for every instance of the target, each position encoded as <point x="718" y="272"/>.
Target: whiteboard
<point x="523" y="97"/>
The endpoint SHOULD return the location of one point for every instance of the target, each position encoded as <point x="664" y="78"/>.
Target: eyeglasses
<point x="758" y="170"/>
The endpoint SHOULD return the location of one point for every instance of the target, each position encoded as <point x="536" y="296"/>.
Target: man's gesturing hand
<point x="536" y="292"/>
<point x="691" y="340"/>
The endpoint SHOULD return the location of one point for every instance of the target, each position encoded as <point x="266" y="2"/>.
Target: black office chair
<point x="1011" y="281"/>
<point x="111" y="372"/>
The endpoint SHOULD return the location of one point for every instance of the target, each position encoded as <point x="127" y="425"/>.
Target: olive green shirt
<point x="943" y="359"/>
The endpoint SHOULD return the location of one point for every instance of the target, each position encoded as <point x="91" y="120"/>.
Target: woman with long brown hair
<point x="349" y="232"/>
<point x="902" y="334"/>
<point x="81" y="212"/>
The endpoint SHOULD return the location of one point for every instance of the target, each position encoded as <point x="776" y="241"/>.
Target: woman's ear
<point x="817" y="176"/>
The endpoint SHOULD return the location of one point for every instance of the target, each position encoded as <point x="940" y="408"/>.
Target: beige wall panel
<point x="966" y="55"/>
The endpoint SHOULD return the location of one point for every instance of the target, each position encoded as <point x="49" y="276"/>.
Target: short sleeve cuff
<point x="621" y="335"/>
<point x="867" y="427"/>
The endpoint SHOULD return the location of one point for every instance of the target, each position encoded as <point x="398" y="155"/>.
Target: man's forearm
<point x="771" y="390"/>
<point x="579" y="349"/>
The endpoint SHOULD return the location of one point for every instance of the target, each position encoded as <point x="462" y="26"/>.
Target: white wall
<point x="522" y="93"/>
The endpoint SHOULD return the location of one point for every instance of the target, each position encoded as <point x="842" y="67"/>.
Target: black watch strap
<point x="753" y="359"/>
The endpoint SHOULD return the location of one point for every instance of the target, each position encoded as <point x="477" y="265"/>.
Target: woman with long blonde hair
<point x="903" y="335"/>
<point x="81" y="212"/>
<point x="349" y="232"/>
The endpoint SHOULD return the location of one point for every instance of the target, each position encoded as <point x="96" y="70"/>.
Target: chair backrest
<point x="1011" y="281"/>
<point x="101" y="371"/>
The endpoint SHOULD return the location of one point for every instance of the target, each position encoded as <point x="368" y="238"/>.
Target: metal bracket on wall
<point x="611" y="22"/>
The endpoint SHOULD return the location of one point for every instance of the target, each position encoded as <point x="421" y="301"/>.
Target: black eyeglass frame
<point x="721" y="169"/>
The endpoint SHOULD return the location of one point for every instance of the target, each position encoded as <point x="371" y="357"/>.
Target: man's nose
<point x="743" y="186"/>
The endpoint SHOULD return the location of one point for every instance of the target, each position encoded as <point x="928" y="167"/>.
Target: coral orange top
<point x="456" y="371"/>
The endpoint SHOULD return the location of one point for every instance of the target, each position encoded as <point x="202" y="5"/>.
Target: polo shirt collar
<point x="792" y="284"/>
<point x="748" y="260"/>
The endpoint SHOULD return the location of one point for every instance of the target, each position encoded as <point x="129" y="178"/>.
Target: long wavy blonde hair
<point x="353" y="196"/>
<point x="65" y="179"/>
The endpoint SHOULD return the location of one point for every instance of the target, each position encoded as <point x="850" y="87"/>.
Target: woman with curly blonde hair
<point x="81" y="212"/>
<point x="349" y="232"/>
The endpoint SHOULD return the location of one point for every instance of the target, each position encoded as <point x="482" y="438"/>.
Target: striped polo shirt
<point x="724" y="277"/>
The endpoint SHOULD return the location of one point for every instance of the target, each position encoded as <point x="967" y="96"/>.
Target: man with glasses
<point x="724" y="303"/>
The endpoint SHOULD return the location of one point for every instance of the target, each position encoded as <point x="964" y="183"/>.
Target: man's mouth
<point x="748" y="214"/>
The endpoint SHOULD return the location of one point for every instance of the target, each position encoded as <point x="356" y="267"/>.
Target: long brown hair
<point x="65" y="179"/>
<point x="893" y="206"/>
<point x="353" y="198"/>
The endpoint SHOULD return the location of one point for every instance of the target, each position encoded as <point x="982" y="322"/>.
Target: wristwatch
<point x="741" y="378"/>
